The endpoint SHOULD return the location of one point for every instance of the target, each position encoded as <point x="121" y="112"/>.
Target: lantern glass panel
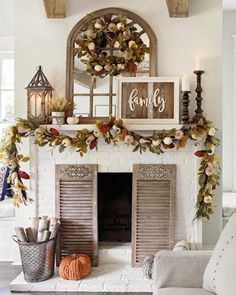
<point x="39" y="104"/>
<point x="48" y="97"/>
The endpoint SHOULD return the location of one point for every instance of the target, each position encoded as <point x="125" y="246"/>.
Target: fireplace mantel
<point x="132" y="127"/>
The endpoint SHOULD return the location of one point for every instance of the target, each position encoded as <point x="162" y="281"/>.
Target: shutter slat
<point x="77" y="210"/>
<point x="153" y="210"/>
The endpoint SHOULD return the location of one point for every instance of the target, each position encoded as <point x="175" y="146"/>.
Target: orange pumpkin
<point x="75" y="267"/>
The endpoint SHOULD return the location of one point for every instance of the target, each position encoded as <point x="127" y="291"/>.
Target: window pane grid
<point x="6" y="87"/>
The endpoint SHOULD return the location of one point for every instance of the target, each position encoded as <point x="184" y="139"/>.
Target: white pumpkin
<point x="72" y="120"/>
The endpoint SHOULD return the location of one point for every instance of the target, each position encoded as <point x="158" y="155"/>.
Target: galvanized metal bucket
<point x="37" y="259"/>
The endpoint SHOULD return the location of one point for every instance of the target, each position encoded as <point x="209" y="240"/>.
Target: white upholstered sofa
<point x="199" y="272"/>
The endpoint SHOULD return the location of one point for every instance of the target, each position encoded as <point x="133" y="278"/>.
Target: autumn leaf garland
<point x="112" y="132"/>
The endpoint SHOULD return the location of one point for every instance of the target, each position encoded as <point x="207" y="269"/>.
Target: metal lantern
<point x="39" y="92"/>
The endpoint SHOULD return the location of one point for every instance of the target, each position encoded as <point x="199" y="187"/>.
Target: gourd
<point x="75" y="267"/>
<point x="72" y="120"/>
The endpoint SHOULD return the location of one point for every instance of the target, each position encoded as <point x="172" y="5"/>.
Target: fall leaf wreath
<point x="110" y="45"/>
<point x="112" y="132"/>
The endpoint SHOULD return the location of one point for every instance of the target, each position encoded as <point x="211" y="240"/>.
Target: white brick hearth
<point x="114" y="274"/>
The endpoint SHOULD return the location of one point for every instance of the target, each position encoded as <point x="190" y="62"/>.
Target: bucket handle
<point x="14" y="238"/>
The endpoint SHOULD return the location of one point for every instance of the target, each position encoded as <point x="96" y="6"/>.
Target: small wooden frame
<point x="149" y="100"/>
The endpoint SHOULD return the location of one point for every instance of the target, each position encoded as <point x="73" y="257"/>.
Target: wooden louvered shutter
<point x="76" y="206"/>
<point x="153" y="210"/>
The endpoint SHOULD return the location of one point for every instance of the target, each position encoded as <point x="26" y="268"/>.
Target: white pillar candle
<point x="199" y="64"/>
<point x="185" y="83"/>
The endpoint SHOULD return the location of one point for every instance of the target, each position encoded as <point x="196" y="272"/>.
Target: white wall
<point x="229" y="29"/>
<point x="7" y="25"/>
<point x="7" y="18"/>
<point x="43" y="41"/>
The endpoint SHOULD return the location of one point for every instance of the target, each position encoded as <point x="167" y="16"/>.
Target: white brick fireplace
<point x="114" y="272"/>
<point x="120" y="159"/>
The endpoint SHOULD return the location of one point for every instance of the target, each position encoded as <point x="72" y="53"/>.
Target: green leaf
<point x="61" y="149"/>
<point x="25" y="159"/>
<point x="11" y="148"/>
<point x="202" y="180"/>
<point x="155" y="150"/>
<point x="135" y="149"/>
<point x="42" y="144"/>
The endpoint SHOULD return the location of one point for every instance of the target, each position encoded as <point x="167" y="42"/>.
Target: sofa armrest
<point x="180" y="268"/>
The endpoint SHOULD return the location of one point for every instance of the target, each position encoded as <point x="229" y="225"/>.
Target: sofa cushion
<point x="225" y="281"/>
<point x="183" y="269"/>
<point x="182" y="291"/>
<point x="218" y="276"/>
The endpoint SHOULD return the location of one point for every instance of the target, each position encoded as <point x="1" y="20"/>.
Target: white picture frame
<point x="150" y="80"/>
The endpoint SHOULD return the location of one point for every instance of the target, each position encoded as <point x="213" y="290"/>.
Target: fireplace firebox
<point x="114" y="207"/>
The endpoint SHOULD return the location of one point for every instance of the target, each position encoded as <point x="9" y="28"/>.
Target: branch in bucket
<point x="41" y="229"/>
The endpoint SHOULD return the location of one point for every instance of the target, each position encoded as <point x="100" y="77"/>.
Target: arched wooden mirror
<point x="96" y="98"/>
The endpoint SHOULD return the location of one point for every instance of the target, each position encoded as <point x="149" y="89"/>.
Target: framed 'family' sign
<point x="149" y="100"/>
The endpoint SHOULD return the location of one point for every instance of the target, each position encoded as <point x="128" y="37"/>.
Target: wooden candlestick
<point x="199" y="98"/>
<point x="185" y="108"/>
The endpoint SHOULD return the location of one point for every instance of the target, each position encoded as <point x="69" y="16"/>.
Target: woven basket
<point x="37" y="259"/>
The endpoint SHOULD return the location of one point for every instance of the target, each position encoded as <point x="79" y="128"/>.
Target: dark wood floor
<point x="8" y="272"/>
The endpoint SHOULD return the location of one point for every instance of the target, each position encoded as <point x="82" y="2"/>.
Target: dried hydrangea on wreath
<point x="113" y="131"/>
<point x="110" y="46"/>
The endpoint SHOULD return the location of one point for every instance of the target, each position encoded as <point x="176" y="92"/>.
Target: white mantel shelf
<point x="133" y="127"/>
